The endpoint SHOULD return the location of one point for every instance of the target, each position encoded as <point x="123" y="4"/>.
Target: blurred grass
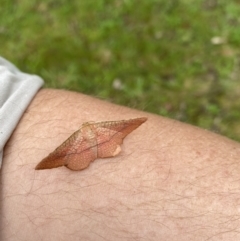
<point x="179" y="59"/>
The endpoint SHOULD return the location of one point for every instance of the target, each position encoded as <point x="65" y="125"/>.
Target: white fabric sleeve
<point x="17" y="89"/>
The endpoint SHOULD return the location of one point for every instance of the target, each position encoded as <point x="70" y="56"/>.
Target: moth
<point x="93" y="140"/>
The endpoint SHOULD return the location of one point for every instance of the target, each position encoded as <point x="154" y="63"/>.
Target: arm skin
<point x="171" y="181"/>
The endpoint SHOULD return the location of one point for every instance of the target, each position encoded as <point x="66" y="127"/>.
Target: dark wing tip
<point x="39" y="166"/>
<point x="42" y="165"/>
<point x="49" y="162"/>
<point x="142" y="119"/>
<point x="138" y="121"/>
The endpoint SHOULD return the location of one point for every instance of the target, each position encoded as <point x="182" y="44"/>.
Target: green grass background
<point x="175" y="58"/>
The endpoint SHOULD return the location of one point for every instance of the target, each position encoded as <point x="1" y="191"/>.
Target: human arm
<point x="172" y="181"/>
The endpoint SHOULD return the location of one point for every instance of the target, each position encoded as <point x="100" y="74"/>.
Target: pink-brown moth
<point x="92" y="140"/>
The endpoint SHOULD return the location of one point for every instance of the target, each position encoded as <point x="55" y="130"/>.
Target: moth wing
<point x="81" y="160"/>
<point x="124" y="126"/>
<point x="51" y="161"/>
<point x="108" y="142"/>
<point x="110" y="135"/>
<point x="84" y="151"/>
<point x="58" y="157"/>
<point x="75" y="153"/>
